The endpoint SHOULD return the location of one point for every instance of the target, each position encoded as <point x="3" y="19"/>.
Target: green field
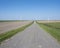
<point x="9" y="34"/>
<point x="52" y="28"/>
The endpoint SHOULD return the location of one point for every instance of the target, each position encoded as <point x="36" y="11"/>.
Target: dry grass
<point x="48" y="21"/>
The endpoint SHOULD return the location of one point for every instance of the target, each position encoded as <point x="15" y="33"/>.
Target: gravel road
<point x="31" y="37"/>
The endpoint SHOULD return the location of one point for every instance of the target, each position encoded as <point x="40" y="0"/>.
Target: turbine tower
<point x="48" y="19"/>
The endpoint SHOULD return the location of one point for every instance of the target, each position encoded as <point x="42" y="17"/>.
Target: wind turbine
<point x="48" y="19"/>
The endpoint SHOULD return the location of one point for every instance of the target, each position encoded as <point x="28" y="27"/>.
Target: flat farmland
<point x="48" y="21"/>
<point x="10" y="25"/>
<point x="52" y="27"/>
<point x="31" y="37"/>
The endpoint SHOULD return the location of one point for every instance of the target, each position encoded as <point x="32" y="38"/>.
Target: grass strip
<point x="55" y="32"/>
<point x="9" y="34"/>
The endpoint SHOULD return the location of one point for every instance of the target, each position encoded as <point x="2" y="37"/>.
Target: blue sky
<point x="29" y="9"/>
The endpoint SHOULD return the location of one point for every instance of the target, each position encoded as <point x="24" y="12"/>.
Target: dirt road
<point x="32" y="37"/>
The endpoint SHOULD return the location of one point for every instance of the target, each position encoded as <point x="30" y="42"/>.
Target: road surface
<point x="31" y="37"/>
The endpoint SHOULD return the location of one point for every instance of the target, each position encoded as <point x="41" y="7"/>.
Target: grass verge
<point x="9" y="34"/>
<point x="52" y="28"/>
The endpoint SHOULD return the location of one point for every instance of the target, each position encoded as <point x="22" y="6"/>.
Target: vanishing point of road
<point x="31" y="37"/>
